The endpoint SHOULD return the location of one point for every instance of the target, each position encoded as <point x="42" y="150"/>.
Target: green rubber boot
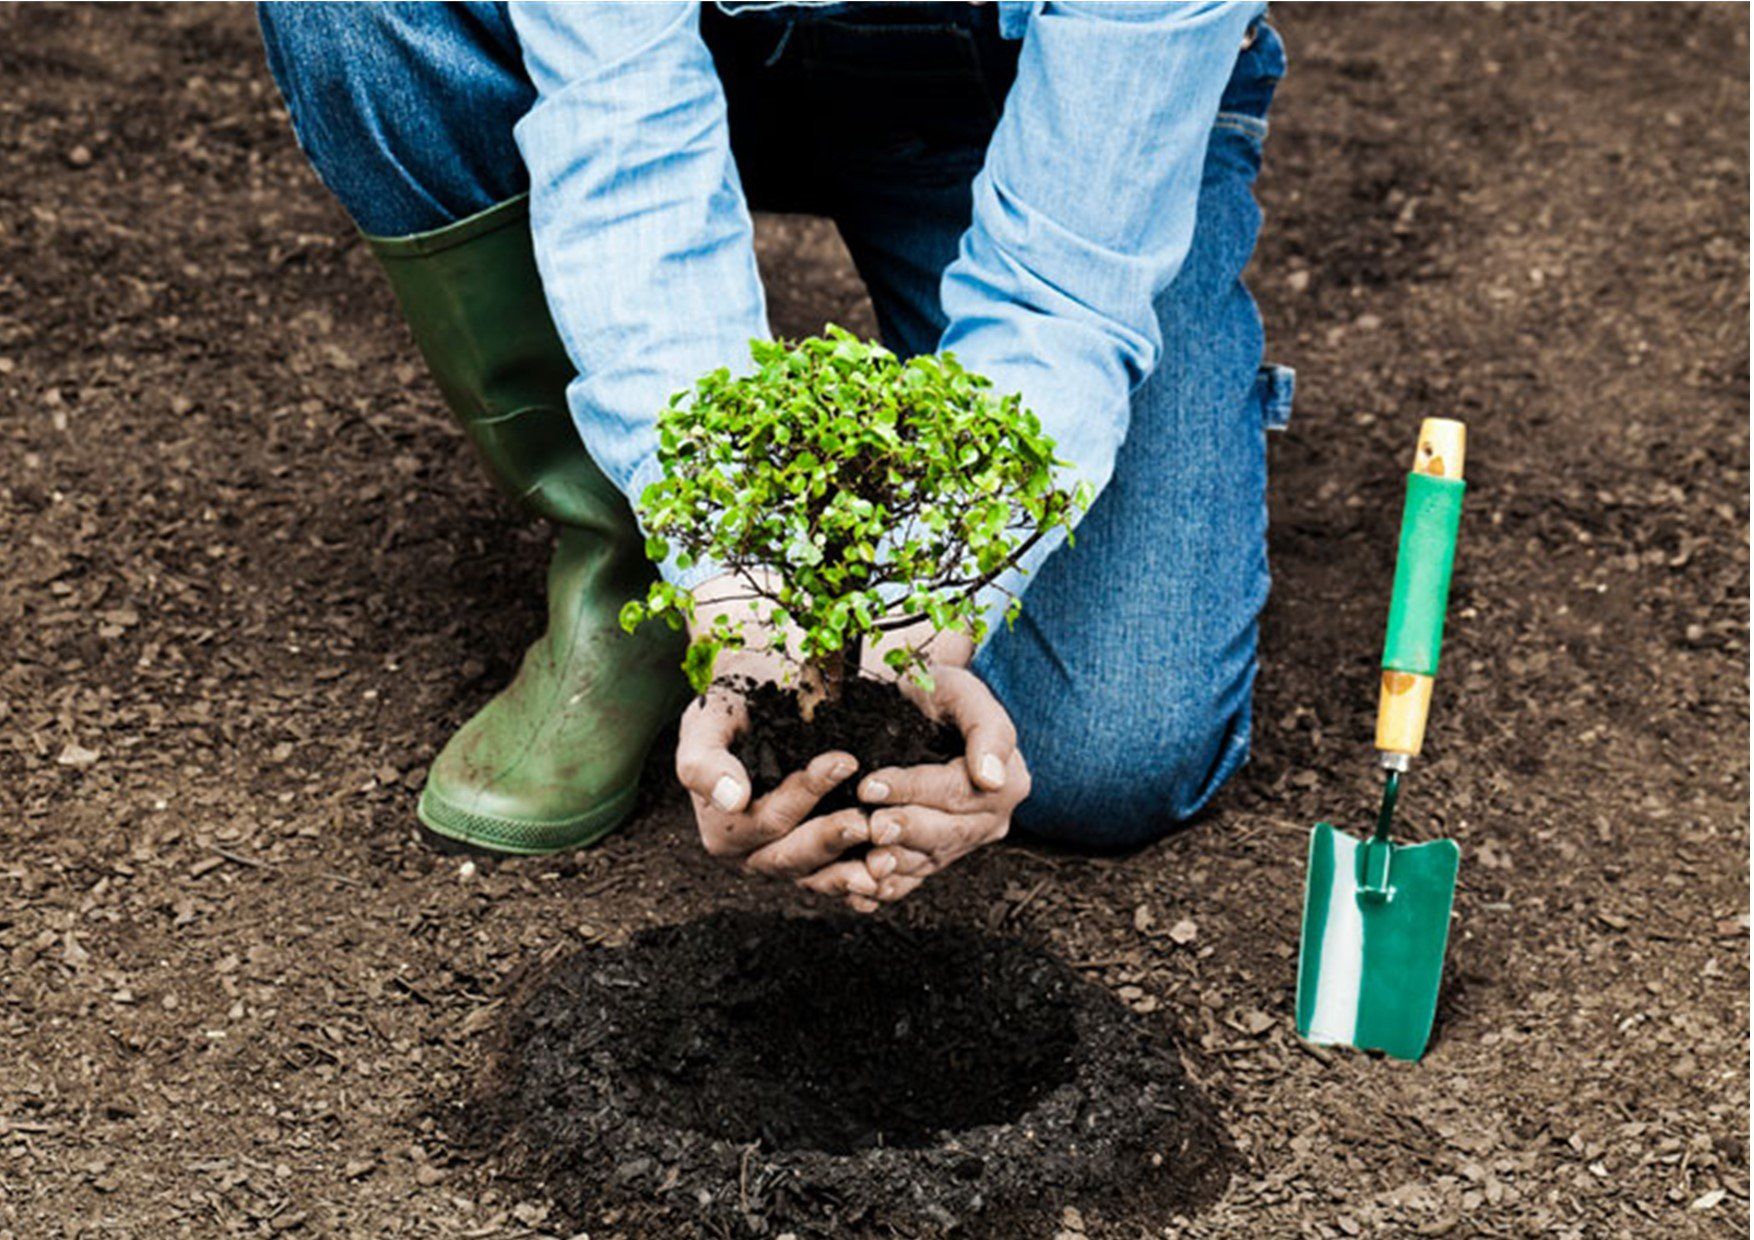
<point x="554" y="761"/>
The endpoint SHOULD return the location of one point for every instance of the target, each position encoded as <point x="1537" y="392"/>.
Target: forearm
<point x="1083" y="215"/>
<point x="640" y="227"/>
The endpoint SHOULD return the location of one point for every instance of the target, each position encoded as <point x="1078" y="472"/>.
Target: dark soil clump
<point x="756" y="1075"/>
<point x="872" y="721"/>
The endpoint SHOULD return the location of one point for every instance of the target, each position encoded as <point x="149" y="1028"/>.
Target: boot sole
<point x="456" y="829"/>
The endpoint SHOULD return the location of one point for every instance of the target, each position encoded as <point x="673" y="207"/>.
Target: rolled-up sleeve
<point x="642" y="234"/>
<point x="1084" y="212"/>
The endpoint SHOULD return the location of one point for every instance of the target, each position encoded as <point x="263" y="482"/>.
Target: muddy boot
<point x="554" y="761"/>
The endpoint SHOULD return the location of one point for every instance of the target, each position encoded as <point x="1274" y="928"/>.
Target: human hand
<point x="777" y="835"/>
<point x="932" y="816"/>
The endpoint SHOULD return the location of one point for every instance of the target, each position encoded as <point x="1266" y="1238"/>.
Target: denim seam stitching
<point x="1241" y="123"/>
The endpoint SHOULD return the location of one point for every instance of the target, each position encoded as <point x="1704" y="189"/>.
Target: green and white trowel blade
<point x="1371" y="964"/>
<point x="1376" y="913"/>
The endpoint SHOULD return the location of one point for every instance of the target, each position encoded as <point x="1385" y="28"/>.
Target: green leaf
<point x="836" y="468"/>
<point x="697" y="664"/>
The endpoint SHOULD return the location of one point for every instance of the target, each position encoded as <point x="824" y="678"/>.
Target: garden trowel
<point x="1376" y="913"/>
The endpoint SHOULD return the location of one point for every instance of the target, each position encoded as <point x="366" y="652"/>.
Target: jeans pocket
<point x="1275" y="389"/>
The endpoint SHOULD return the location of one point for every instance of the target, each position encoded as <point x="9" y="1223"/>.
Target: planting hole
<point x="820" y="1035"/>
<point x="746" y="1066"/>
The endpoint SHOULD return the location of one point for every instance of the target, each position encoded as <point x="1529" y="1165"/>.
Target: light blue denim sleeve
<point x="1083" y="213"/>
<point x="642" y="234"/>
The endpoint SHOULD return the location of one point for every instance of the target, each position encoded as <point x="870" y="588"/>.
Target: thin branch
<point x="896" y="622"/>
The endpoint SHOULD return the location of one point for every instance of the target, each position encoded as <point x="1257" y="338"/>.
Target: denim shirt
<point x="1083" y="213"/>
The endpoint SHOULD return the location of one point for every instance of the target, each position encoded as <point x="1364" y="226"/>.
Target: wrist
<point x="947" y="647"/>
<point x="729" y="599"/>
<point x="735" y="595"/>
<point x="731" y="594"/>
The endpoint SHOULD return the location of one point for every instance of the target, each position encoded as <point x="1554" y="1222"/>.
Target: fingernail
<point x="992" y="771"/>
<point x="862" y="884"/>
<point x="843" y="768"/>
<point x="876" y="790"/>
<point x="854" y="832"/>
<point x="726" y="793"/>
<point x="881" y="865"/>
<point x="886" y="832"/>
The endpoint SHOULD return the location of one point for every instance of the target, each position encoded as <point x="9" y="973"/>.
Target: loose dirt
<point x="873" y="722"/>
<point x="251" y="581"/>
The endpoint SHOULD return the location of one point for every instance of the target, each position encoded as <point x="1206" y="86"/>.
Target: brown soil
<point x="871" y="720"/>
<point x="251" y="582"/>
<point x="891" y="1081"/>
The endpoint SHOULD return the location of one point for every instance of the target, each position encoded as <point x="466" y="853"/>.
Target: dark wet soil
<point x="755" y="1075"/>
<point x="871" y="720"/>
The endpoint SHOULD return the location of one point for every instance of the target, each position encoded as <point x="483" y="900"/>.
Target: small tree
<point x="853" y="493"/>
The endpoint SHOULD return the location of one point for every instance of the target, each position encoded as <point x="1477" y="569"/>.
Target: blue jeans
<point x="1130" y="671"/>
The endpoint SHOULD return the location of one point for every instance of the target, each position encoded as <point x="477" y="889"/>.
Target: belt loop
<point x="1277" y="386"/>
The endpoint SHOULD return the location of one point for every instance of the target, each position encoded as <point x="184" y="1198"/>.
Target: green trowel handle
<point x="1427" y="556"/>
<point x="1422" y="574"/>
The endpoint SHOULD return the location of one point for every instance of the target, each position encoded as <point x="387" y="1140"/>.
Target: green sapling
<point x="853" y="494"/>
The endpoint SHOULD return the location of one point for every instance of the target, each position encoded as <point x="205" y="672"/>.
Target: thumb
<point x="704" y="763"/>
<point x="988" y="733"/>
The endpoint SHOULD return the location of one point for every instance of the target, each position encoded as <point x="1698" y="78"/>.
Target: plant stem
<point x="855" y="662"/>
<point x="822" y="681"/>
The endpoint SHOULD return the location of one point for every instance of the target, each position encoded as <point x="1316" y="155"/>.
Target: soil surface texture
<point x="757" y="1075"/>
<point x="871" y="720"/>
<point x="252" y="581"/>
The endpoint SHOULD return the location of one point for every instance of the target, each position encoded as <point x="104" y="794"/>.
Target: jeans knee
<point x="1102" y="782"/>
<point x="323" y="61"/>
<point x="305" y="45"/>
<point x="405" y="111"/>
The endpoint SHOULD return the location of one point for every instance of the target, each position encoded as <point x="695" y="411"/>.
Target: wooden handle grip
<point x="1442" y="448"/>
